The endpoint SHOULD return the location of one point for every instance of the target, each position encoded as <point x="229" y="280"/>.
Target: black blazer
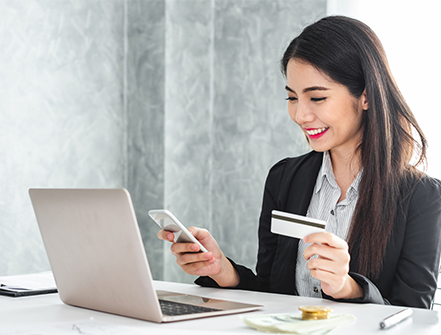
<point x="411" y="263"/>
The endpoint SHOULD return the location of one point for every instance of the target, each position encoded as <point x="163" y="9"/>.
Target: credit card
<point x="293" y="225"/>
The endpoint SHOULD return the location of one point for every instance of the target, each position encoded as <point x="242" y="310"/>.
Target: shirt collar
<point x="353" y="189"/>
<point x="327" y="172"/>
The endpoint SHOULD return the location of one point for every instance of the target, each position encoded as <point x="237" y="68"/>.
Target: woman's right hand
<point x="212" y="263"/>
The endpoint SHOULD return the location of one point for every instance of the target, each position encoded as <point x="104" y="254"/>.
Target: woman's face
<point x="328" y="114"/>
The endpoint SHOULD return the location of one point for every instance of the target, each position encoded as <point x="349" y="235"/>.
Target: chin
<point x="319" y="148"/>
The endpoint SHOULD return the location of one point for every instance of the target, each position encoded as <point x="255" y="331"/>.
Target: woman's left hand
<point x="331" y="266"/>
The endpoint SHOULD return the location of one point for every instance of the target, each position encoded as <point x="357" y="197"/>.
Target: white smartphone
<point x="167" y="221"/>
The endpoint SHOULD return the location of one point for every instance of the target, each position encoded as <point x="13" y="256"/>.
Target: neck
<point x="346" y="162"/>
<point x="346" y="167"/>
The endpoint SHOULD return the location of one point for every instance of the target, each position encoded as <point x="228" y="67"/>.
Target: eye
<point x="291" y="99"/>
<point x="318" y="99"/>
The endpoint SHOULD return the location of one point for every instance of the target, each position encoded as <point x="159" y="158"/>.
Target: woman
<point x="383" y="236"/>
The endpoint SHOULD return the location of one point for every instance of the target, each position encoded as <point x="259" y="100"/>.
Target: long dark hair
<point x="350" y="53"/>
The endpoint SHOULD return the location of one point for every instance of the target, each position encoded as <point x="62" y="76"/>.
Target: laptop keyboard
<point x="177" y="308"/>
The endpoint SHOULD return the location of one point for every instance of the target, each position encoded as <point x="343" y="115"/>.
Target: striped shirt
<point x="324" y="206"/>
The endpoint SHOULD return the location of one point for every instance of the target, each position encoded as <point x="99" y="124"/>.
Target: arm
<point x="416" y="274"/>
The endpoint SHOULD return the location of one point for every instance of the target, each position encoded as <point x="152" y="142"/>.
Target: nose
<point x="301" y="114"/>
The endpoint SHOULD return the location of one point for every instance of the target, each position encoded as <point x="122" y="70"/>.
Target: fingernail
<point x="195" y="247"/>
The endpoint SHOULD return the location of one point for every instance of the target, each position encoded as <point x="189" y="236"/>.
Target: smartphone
<point x="167" y="221"/>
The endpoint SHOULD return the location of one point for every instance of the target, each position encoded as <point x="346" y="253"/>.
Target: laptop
<point x="95" y="250"/>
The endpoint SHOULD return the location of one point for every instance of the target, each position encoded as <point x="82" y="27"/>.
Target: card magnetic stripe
<point x="306" y="223"/>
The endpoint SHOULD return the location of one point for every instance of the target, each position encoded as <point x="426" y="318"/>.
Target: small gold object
<point x="315" y="312"/>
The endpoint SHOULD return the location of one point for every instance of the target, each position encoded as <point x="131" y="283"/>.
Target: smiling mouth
<point x="316" y="131"/>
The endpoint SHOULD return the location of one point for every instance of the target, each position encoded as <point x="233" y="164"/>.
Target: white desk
<point x="48" y="315"/>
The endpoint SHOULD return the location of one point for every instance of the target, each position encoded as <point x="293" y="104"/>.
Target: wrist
<point x="227" y="276"/>
<point x="351" y="290"/>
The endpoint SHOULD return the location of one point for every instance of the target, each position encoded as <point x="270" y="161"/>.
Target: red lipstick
<point x="315" y="136"/>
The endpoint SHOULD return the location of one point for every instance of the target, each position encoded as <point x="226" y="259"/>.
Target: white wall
<point x="60" y="111"/>
<point x="410" y="32"/>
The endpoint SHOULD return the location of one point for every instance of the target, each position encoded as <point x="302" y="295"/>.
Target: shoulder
<point x="422" y="201"/>
<point x="290" y="175"/>
<point x="306" y="161"/>
<point x="425" y="191"/>
<point x="301" y="169"/>
<point x="429" y="185"/>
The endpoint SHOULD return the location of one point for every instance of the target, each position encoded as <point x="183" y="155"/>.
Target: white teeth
<point x="316" y="131"/>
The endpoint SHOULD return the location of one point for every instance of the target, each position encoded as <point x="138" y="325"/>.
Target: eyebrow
<point x="309" y="89"/>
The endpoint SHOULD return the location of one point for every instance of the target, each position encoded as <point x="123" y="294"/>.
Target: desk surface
<point x="48" y="315"/>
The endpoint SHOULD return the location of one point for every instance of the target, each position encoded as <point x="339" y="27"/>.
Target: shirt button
<point x="315" y="289"/>
<point x="332" y="212"/>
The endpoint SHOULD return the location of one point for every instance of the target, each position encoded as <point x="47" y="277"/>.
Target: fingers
<point x="194" y="259"/>
<point x="327" y="277"/>
<point x="326" y="252"/>
<point x="194" y="263"/>
<point x="198" y="269"/>
<point x="166" y="235"/>
<point x="326" y="238"/>
<point x="200" y="233"/>
<point x="320" y="265"/>
<point x="180" y="248"/>
<point x="189" y="257"/>
<point x="326" y="245"/>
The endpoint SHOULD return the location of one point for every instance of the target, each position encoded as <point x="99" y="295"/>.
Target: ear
<point x="364" y="101"/>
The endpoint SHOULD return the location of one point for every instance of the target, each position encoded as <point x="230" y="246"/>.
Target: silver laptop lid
<point x="95" y="250"/>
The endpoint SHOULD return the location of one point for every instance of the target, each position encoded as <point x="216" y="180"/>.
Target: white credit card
<point x="294" y="225"/>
